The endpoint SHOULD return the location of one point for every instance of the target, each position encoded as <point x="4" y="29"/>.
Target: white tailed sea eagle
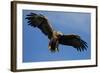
<point x="40" y="21"/>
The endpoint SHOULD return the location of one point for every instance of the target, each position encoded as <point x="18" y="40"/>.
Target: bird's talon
<point x="49" y="47"/>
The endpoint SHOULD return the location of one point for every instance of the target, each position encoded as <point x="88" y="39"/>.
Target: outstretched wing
<point x="73" y="40"/>
<point x="41" y="22"/>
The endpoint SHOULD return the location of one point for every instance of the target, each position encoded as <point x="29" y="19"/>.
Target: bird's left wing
<point x="73" y="40"/>
<point x="41" y="22"/>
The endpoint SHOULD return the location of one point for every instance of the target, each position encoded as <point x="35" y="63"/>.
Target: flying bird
<point x="55" y="37"/>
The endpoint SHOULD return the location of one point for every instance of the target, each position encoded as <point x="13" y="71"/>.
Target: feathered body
<point x="55" y="37"/>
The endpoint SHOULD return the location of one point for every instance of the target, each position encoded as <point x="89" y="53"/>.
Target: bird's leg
<point x="57" y="44"/>
<point x="50" y="43"/>
<point x="54" y="43"/>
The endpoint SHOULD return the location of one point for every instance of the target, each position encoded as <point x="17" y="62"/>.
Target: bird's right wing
<point x="41" y="22"/>
<point x="73" y="40"/>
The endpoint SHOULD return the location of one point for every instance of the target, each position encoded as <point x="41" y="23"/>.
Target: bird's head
<point x="57" y="34"/>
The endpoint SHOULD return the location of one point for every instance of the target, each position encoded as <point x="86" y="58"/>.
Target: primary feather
<point x="73" y="40"/>
<point x="40" y="21"/>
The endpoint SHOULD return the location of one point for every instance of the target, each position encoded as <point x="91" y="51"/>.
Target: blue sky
<point x="35" y="43"/>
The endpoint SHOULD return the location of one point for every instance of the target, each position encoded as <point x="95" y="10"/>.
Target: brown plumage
<point x="56" y="38"/>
